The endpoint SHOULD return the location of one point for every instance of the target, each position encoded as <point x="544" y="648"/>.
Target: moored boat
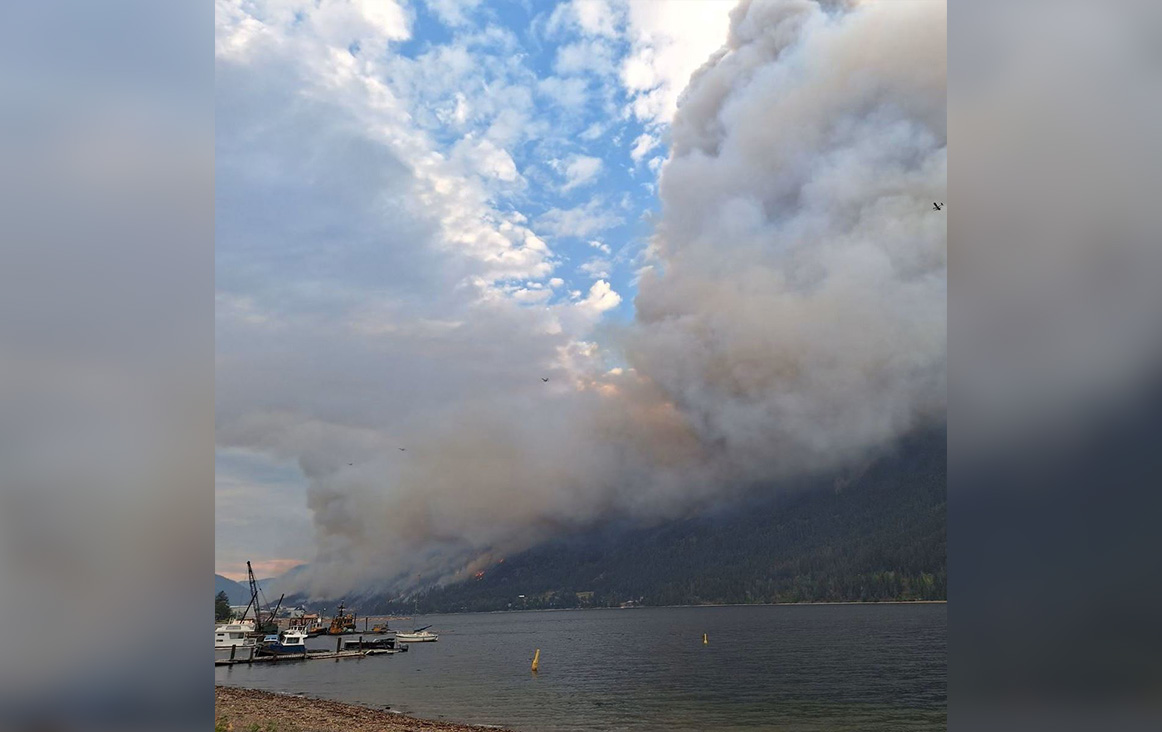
<point x="419" y="635"/>
<point x="369" y="644"/>
<point x="289" y="641"/>
<point x="234" y="634"/>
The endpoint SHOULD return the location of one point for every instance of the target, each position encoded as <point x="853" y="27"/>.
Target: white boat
<point x="234" y="634"/>
<point x="419" y="635"/>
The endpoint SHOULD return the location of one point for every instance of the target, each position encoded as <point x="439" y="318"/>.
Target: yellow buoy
<point x="705" y="640"/>
<point x="536" y="660"/>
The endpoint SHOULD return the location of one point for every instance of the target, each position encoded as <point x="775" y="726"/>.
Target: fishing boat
<point x="419" y="635"/>
<point x="289" y="641"/>
<point x="234" y="634"/>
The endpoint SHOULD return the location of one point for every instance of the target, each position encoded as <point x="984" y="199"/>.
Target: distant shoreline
<point x="238" y="708"/>
<point x="377" y="617"/>
<point x="662" y="607"/>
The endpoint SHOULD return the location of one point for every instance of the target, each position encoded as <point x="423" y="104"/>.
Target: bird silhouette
<point x="350" y="463"/>
<point x="545" y="379"/>
<point x="403" y="449"/>
<point x="938" y="206"/>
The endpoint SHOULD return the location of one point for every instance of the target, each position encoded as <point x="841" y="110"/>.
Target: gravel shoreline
<point x="240" y="710"/>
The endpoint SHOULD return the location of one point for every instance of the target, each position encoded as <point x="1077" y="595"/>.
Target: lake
<point x="807" y="668"/>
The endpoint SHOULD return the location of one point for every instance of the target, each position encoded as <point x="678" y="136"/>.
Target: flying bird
<point x="544" y="378"/>
<point x="938" y="206"/>
<point x="350" y="463"/>
<point x="403" y="449"/>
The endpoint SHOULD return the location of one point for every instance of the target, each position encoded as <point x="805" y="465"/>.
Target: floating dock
<point x="250" y="658"/>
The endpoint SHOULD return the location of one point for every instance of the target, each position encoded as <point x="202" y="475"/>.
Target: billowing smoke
<point x="796" y="314"/>
<point x="790" y="319"/>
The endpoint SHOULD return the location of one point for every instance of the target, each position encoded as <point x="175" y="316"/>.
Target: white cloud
<point x="601" y="297"/>
<point x="570" y="93"/>
<point x="372" y="23"/>
<point x="452" y="13"/>
<point x="591" y="17"/>
<point x="671" y="40"/>
<point x="593" y="55"/>
<point x="486" y="159"/>
<point x="580" y="221"/>
<point x="581" y="170"/>
<point x="556" y="282"/>
<point x="642" y="145"/>
<point x="596" y="267"/>
<point x="593" y="131"/>
<point x="599" y="245"/>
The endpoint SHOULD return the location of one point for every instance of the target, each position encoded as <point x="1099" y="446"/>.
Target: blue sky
<point x="403" y="188"/>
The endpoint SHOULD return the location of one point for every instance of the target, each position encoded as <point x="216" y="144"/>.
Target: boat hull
<point x="410" y="638"/>
<point x="278" y="649"/>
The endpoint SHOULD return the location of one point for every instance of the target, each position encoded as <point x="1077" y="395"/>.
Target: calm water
<point x="837" y="667"/>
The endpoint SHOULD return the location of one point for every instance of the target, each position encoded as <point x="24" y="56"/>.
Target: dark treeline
<point x="873" y="535"/>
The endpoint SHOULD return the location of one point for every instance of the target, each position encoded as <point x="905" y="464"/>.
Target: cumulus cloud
<point x="601" y="297"/>
<point x="581" y="170"/>
<point x="790" y="315"/>
<point x="670" y="41"/>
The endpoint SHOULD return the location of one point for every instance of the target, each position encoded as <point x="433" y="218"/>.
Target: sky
<point x="540" y="128"/>
<point x="707" y="224"/>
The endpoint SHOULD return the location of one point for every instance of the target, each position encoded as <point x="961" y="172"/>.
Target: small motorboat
<point x="419" y="635"/>
<point x="289" y="641"/>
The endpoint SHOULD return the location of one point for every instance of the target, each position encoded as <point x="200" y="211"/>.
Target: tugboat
<point x="342" y="624"/>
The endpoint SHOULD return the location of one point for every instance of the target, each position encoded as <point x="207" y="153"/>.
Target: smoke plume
<point x="790" y="319"/>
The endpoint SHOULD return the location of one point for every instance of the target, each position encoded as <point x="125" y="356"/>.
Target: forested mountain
<point x="873" y="533"/>
<point x="236" y="593"/>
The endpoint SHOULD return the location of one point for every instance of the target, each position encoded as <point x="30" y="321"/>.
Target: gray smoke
<point x="796" y="315"/>
<point x="790" y="319"/>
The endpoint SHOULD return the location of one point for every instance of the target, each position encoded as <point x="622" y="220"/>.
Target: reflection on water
<point x="808" y="668"/>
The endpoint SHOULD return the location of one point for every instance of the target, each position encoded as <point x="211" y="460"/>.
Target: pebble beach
<point x="243" y="710"/>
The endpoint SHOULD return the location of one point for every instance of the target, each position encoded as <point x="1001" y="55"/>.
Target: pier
<point x="249" y="654"/>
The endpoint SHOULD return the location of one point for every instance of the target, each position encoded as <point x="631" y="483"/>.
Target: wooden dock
<point x="248" y="655"/>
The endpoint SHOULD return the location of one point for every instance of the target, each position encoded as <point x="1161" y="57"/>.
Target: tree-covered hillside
<point x="875" y="533"/>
